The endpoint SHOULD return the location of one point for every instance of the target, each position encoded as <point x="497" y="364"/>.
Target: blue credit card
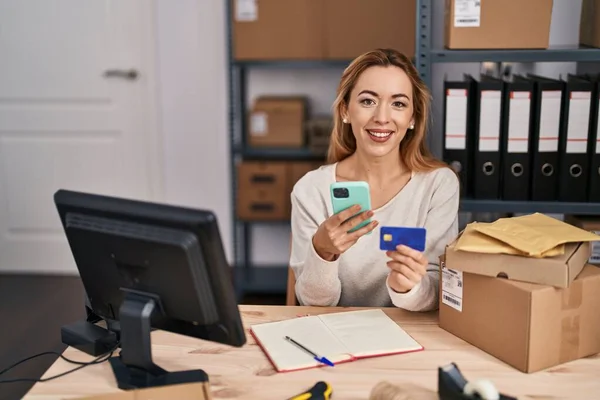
<point x="391" y="237"/>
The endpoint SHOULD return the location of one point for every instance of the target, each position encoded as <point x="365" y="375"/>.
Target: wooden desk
<point x="245" y="373"/>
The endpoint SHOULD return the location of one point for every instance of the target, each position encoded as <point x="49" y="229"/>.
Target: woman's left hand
<point x="408" y="267"/>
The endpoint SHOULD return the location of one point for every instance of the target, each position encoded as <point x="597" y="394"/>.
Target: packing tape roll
<point x="483" y="387"/>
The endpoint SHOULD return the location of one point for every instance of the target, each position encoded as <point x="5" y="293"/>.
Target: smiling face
<point x="380" y="110"/>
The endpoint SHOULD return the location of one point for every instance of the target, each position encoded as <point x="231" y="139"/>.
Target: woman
<point x="380" y="118"/>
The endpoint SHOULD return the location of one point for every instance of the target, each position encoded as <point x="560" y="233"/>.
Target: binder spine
<point x="549" y="105"/>
<point x="487" y="148"/>
<point x="456" y="105"/>
<point x="516" y="160"/>
<point x="574" y="164"/>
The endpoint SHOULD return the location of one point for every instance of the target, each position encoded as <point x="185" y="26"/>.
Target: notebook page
<point x="308" y="331"/>
<point x="369" y="333"/>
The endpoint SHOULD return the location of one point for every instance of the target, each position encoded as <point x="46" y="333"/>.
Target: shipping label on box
<point x="467" y="13"/>
<point x="246" y="10"/>
<point x="452" y="288"/>
<point x="259" y="123"/>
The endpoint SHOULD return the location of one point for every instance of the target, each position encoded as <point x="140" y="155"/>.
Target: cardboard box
<point x="262" y="191"/>
<point x="277" y="29"/>
<point x="277" y="121"/>
<point x="353" y="27"/>
<point x="589" y="26"/>
<point x="264" y="188"/>
<point x="528" y="326"/>
<point x="557" y="271"/>
<point x="497" y="24"/>
<point x="591" y="224"/>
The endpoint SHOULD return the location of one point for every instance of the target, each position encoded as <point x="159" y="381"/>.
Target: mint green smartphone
<point x="346" y="194"/>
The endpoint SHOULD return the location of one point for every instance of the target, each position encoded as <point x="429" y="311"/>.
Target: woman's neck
<point x="376" y="171"/>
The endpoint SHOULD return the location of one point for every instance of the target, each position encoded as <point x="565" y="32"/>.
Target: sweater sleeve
<point x="317" y="281"/>
<point x="441" y="224"/>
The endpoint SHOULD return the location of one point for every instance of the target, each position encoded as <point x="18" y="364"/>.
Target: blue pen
<point x="315" y="356"/>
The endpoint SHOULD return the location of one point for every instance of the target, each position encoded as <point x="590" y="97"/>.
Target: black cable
<point x="81" y="364"/>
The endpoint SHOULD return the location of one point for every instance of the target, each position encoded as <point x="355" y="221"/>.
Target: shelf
<point x="557" y="54"/>
<point x="548" y="207"/>
<point x="501" y="206"/>
<point x="292" y="64"/>
<point x="272" y="153"/>
<point x="261" y="279"/>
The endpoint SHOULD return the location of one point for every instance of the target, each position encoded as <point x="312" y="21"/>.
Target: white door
<point x="70" y="118"/>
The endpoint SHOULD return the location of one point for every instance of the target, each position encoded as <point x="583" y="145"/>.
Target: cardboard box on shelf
<point x="591" y="224"/>
<point x="497" y="24"/>
<point x="589" y="26"/>
<point x="353" y="27"/>
<point x="320" y="29"/>
<point x="277" y="121"/>
<point x="262" y="188"/>
<point x="276" y="29"/>
<point x="528" y="326"/>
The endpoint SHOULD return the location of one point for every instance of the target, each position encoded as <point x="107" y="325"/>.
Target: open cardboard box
<point x="557" y="271"/>
<point x="528" y="326"/>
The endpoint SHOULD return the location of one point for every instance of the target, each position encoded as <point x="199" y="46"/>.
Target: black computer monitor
<point x="145" y="265"/>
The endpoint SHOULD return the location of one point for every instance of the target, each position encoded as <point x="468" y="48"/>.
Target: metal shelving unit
<point x="426" y="56"/>
<point x="251" y="278"/>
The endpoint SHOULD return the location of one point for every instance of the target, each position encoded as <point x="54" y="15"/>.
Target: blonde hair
<point x="413" y="149"/>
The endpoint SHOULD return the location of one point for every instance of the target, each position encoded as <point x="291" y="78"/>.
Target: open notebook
<point x="340" y="337"/>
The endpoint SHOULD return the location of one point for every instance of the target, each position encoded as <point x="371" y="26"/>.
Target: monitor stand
<point x="134" y="368"/>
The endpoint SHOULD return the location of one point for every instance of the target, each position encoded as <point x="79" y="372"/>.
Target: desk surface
<point x="245" y="373"/>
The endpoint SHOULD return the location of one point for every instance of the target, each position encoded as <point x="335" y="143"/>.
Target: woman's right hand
<point x="332" y="237"/>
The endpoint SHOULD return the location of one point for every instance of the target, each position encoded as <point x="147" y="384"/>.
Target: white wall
<point x="193" y="97"/>
<point x="193" y="79"/>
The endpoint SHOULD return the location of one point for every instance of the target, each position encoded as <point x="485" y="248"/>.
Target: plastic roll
<point x="483" y="387"/>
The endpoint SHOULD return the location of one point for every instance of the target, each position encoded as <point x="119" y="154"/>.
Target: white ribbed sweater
<point x="358" y="276"/>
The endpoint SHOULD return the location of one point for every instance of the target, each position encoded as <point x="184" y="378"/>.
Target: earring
<point x="345" y="120"/>
<point x="411" y="127"/>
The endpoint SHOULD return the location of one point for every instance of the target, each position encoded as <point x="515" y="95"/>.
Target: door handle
<point x="130" y="74"/>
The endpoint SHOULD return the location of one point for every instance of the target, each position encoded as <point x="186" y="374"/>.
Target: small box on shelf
<point x="589" y="26"/>
<point x="277" y="121"/>
<point x="264" y="188"/>
<point x="277" y="30"/>
<point x="498" y="24"/>
<point x="318" y="29"/>
<point x="375" y="24"/>
<point x="261" y="188"/>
